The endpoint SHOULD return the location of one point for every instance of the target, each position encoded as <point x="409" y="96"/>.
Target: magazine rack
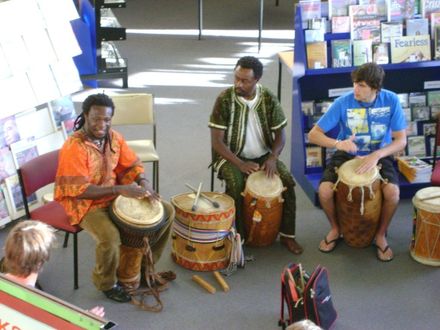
<point x="318" y="84"/>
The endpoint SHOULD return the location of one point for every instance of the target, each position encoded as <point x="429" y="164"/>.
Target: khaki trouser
<point x="99" y="225"/>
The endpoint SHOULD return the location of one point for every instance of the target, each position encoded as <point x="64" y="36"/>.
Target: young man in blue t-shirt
<point x="372" y="126"/>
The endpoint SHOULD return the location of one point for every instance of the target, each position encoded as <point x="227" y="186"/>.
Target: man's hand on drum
<point x="270" y="166"/>
<point x="347" y="145"/>
<point x="134" y="190"/>
<point x="150" y="193"/>
<point x="248" y="167"/>
<point x="368" y="162"/>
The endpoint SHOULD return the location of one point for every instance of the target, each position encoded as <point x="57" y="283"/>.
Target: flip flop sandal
<point x="327" y="243"/>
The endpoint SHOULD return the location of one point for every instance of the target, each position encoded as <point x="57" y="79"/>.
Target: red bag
<point x="306" y="296"/>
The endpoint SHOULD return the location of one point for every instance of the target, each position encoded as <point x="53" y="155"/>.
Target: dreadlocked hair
<point x="99" y="99"/>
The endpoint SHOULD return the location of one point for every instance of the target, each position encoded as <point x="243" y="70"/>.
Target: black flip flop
<point x="333" y="241"/>
<point x="378" y="249"/>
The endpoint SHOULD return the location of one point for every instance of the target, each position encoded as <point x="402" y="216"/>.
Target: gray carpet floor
<point x="186" y="75"/>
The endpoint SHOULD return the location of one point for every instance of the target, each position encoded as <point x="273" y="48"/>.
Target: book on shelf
<point x="339" y="7"/>
<point x="437" y="43"/>
<point x="429" y="6"/>
<point x="364" y="22"/>
<point x="313" y="156"/>
<point x="340" y="24"/>
<point x="8" y="167"/>
<point x="410" y="49"/>
<point x="417" y="98"/>
<point x="23" y="151"/>
<point x="309" y="9"/>
<point x="321" y="107"/>
<point x="411" y="128"/>
<point x="62" y="109"/>
<point x="341" y="53"/>
<point x="9" y="130"/>
<point x="414" y="169"/>
<point x="389" y="30"/>
<point x="419" y="112"/>
<point x="416" y="146"/>
<point x="381" y="5"/>
<point x="417" y="26"/>
<point x="362" y="51"/>
<point x="435" y="110"/>
<point x="429" y="128"/>
<point x="317" y="55"/>
<point x="431" y="142"/>
<point x="318" y="24"/>
<point x="400" y="10"/>
<point x="433" y="97"/>
<point x="313" y="36"/>
<point x="407" y="112"/>
<point x="308" y="108"/>
<point x="4" y="210"/>
<point x="403" y="99"/>
<point x="381" y="53"/>
<point x="13" y="189"/>
<point x="434" y="21"/>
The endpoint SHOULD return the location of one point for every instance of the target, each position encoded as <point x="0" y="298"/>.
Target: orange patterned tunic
<point x="81" y="164"/>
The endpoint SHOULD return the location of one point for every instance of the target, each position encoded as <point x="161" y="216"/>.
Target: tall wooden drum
<point x="358" y="203"/>
<point x="262" y="208"/>
<point x="201" y="238"/>
<point x="425" y="244"/>
<point x="136" y="219"/>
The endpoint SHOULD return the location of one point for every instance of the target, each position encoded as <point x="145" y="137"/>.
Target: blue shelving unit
<point x="310" y="85"/>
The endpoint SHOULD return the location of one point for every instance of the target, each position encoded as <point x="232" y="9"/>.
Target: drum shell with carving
<point x="358" y="229"/>
<point x="205" y="216"/>
<point x="133" y="244"/>
<point x="425" y="245"/>
<point x="190" y="247"/>
<point x="262" y="200"/>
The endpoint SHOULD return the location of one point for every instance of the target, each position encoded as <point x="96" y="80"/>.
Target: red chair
<point x="435" y="176"/>
<point x="35" y="174"/>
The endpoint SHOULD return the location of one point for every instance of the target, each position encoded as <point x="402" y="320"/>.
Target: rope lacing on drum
<point x="155" y="283"/>
<point x="237" y="258"/>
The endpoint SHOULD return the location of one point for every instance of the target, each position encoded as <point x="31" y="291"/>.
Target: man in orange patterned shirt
<point x="95" y="166"/>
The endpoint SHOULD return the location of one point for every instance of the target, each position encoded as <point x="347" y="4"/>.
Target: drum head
<point x="138" y="212"/>
<point x="261" y="185"/>
<point x="186" y="201"/>
<point x="347" y="174"/>
<point x="431" y="204"/>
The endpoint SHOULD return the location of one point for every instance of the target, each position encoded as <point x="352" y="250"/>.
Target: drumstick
<point x="204" y="196"/>
<point x="196" y="200"/>
<point x="429" y="198"/>
<point x="221" y="281"/>
<point x="205" y="285"/>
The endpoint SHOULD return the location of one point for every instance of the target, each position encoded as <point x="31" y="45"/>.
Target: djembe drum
<point x="201" y="237"/>
<point x="358" y="203"/>
<point x="262" y="208"/>
<point x="425" y="244"/>
<point x="141" y="223"/>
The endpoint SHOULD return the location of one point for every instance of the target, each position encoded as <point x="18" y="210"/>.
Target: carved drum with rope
<point x="358" y="203"/>
<point x="425" y="244"/>
<point x="141" y="223"/>
<point x="262" y="208"/>
<point x="201" y="238"/>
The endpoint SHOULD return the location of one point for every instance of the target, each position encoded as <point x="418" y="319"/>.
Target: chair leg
<point x="157" y="177"/>
<point x="66" y="240"/>
<point x="75" y="261"/>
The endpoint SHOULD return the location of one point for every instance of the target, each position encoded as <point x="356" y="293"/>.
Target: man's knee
<point x="326" y="191"/>
<point x="391" y="192"/>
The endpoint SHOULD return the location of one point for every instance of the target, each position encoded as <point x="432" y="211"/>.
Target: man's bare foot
<point x="328" y="244"/>
<point x="291" y="244"/>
